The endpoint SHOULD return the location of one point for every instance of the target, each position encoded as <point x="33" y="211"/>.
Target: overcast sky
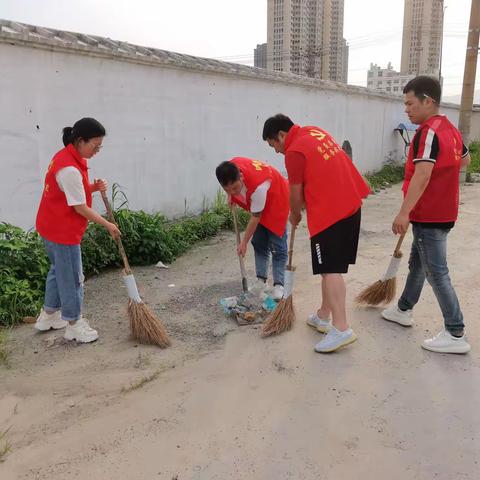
<point x="230" y="29"/>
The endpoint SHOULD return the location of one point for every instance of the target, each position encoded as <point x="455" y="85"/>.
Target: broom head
<point x="382" y="291"/>
<point x="281" y="319"/>
<point x="145" y="326"/>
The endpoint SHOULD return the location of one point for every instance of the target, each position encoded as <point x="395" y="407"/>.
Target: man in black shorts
<point x="323" y="178"/>
<point x="335" y="248"/>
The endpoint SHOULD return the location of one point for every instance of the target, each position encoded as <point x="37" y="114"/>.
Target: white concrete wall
<point x="167" y="127"/>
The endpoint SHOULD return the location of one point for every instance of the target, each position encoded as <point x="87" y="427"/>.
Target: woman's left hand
<point x="100" y="185"/>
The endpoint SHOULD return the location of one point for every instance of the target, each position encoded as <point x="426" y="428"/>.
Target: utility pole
<point x="469" y="75"/>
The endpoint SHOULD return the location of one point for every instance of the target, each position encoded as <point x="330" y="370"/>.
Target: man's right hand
<point x="401" y="223"/>
<point x="295" y="219"/>
<point x="113" y="230"/>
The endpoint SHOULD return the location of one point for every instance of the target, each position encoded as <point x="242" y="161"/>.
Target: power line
<point x="363" y="42"/>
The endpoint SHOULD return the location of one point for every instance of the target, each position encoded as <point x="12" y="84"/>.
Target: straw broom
<point x="384" y="290"/>
<point x="283" y="317"/>
<point x="144" y="325"/>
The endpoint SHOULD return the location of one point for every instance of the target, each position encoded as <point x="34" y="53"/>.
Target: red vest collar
<point x="74" y="153"/>
<point x="430" y="120"/>
<point x="292" y="134"/>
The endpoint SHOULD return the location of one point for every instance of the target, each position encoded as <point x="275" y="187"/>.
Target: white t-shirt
<point x="70" y="182"/>
<point x="258" y="198"/>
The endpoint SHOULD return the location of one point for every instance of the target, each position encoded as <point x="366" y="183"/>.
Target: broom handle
<point x="399" y="245"/>
<point x="128" y="270"/>
<point x="240" y="258"/>
<point x="290" y="249"/>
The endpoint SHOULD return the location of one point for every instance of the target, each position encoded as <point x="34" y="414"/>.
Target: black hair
<point x="423" y="87"/>
<point x="276" y="124"/>
<point x="85" y="128"/>
<point x="227" y="173"/>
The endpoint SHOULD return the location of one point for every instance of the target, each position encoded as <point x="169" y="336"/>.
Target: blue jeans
<point x="64" y="288"/>
<point x="265" y="242"/>
<point x="428" y="260"/>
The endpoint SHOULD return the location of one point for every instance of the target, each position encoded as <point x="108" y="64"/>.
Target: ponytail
<point x="67" y="137"/>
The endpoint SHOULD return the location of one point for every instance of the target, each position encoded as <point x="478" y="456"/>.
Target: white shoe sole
<point x="403" y="322"/>
<point x="81" y="340"/>
<point x="348" y="341"/>
<point x="311" y="323"/>
<point x="324" y="328"/>
<point x="54" y="326"/>
<point x="319" y="328"/>
<point x="454" y="349"/>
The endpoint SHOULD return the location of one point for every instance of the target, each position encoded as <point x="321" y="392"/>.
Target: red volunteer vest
<point x="439" y="201"/>
<point x="333" y="188"/>
<point x="277" y="207"/>
<point x="56" y="221"/>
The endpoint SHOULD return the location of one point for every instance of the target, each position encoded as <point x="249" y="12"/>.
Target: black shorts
<point x="335" y="248"/>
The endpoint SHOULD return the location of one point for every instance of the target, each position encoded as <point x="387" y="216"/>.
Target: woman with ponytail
<point x="62" y="218"/>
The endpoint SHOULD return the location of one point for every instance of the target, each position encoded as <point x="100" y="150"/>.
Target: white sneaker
<point x="445" y="342"/>
<point x="335" y="339"/>
<point x="81" y="332"/>
<point x="394" y="314"/>
<point x="277" y="293"/>
<point x="259" y="287"/>
<point x="47" y="321"/>
<point x="323" y="326"/>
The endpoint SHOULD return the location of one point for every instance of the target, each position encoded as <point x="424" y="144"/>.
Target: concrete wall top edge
<point x="68" y="42"/>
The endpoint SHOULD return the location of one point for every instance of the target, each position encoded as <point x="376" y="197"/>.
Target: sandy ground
<point x="223" y="403"/>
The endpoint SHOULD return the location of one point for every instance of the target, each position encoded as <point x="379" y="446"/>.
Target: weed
<point x="5" y="445"/>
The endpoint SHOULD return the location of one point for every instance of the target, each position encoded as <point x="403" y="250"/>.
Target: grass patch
<point x="389" y="174"/>
<point x="3" y="347"/>
<point x="5" y="445"/>
<point x="141" y="382"/>
<point x="474" y="166"/>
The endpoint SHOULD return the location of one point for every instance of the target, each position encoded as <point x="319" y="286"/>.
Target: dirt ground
<point x="223" y="403"/>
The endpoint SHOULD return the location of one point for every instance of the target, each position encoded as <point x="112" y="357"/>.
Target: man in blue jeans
<point x="261" y="190"/>
<point x="431" y="198"/>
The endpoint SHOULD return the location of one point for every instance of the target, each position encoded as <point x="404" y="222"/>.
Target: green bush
<point x="220" y="207"/>
<point x="474" y="166"/>
<point x="389" y="174"/>
<point x="147" y="238"/>
<point x="23" y="268"/>
<point x="98" y="250"/>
